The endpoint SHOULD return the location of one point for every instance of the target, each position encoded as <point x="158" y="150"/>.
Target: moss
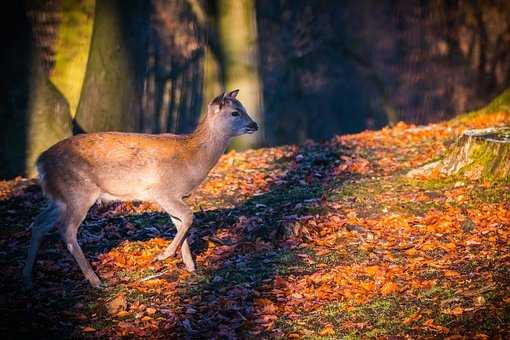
<point x="436" y="293"/>
<point x="498" y="104"/>
<point x="496" y="193"/>
<point x="488" y="159"/>
<point x="431" y="184"/>
<point x="421" y="208"/>
<point x="334" y="258"/>
<point x="362" y="194"/>
<point x="134" y="295"/>
<point x="383" y="316"/>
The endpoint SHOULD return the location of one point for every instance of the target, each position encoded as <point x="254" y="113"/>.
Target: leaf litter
<point x="321" y="240"/>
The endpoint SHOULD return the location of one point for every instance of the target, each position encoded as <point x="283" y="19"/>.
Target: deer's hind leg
<point x="68" y="227"/>
<point x="42" y="224"/>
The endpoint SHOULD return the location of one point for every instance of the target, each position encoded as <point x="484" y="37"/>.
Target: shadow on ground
<point x="221" y="295"/>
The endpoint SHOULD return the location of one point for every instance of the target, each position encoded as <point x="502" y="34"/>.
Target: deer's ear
<point x="218" y="101"/>
<point x="233" y="94"/>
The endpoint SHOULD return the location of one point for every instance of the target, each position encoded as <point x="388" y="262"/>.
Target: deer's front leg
<point x="182" y="217"/>
<point x="187" y="258"/>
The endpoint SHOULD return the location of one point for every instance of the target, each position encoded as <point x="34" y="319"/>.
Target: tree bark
<point x="111" y="97"/>
<point x="72" y="45"/>
<point x="49" y="118"/>
<point x="33" y="113"/>
<point x="237" y="35"/>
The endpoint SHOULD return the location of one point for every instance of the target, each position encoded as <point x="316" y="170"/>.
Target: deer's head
<point x="229" y="117"/>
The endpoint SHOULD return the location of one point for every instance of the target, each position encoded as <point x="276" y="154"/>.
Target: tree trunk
<point x="33" y="113"/>
<point x="15" y="61"/>
<point x="49" y="118"/>
<point x="483" y="153"/>
<point x="237" y="34"/>
<point x="211" y="85"/>
<point x="111" y="97"/>
<point x="72" y="45"/>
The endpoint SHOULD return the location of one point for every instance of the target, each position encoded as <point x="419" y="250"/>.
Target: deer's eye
<point x="235" y="114"/>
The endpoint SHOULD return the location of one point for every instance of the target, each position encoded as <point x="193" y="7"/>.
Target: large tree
<point x="111" y="97"/>
<point x="33" y="113"/>
<point x="48" y="120"/>
<point x="71" y="48"/>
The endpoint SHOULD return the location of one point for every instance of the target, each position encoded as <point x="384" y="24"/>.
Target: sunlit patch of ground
<point x="315" y="241"/>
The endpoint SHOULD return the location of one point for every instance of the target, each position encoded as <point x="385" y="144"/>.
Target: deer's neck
<point x="207" y="146"/>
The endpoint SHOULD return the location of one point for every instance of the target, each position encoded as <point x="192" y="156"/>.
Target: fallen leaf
<point x="327" y="330"/>
<point x="122" y="313"/>
<point x="412" y="318"/>
<point x="431" y="325"/>
<point x="150" y="310"/>
<point x="389" y="287"/>
<point x="119" y="303"/>
<point x="454" y="311"/>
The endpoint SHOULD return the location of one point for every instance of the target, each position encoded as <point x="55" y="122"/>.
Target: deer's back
<point x="117" y="165"/>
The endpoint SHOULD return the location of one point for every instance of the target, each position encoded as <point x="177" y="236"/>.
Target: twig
<point x="154" y="276"/>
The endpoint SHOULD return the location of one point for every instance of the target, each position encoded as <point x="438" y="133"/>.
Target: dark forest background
<point x="306" y="69"/>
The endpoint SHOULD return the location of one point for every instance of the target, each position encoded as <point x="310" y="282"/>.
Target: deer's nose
<point x="253" y="126"/>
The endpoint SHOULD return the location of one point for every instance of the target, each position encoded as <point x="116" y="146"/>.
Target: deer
<point x="79" y="171"/>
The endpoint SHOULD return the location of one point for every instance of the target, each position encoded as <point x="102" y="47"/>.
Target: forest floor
<point x="322" y="241"/>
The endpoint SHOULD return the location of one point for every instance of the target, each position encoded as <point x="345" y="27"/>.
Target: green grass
<point x="380" y="317"/>
<point x="421" y="208"/>
<point x="498" y="192"/>
<point x="436" y="293"/>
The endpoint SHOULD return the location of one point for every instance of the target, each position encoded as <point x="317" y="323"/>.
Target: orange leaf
<point x="372" y="270"/>
<point x="328" y="330"/>
<point x="150" y="310"/>
<point x="428" y="246"/>
<point x="431" y="325"/>
<point x="389" y="287"/>
<point x="450" y="246"/>
<point x="412" y="318"/>
<point x="122" y="313"/>
<point x="455" y="311"/>
<point x="266" y="306"/>
<point x="89" y="329"/>
<point x="368" y="286"/>
<point x="263" y="302"/>
<point x="279" y="282"/>
<point x="451" y="273"/>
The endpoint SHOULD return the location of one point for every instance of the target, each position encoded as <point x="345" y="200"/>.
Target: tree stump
<point x="481" y="153"/>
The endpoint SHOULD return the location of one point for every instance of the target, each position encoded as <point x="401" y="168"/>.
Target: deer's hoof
<point x="98" y="285"/>
<point x="95" y="281"/>
<point x="160" y="257"/>
<point x="190" y="267"/>
<point x="27" y="283"/>
<point x="27" y="278"/>
<point x="163" y="256"/>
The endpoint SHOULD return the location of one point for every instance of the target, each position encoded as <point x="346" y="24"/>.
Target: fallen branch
<point x="154" y="276"/>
